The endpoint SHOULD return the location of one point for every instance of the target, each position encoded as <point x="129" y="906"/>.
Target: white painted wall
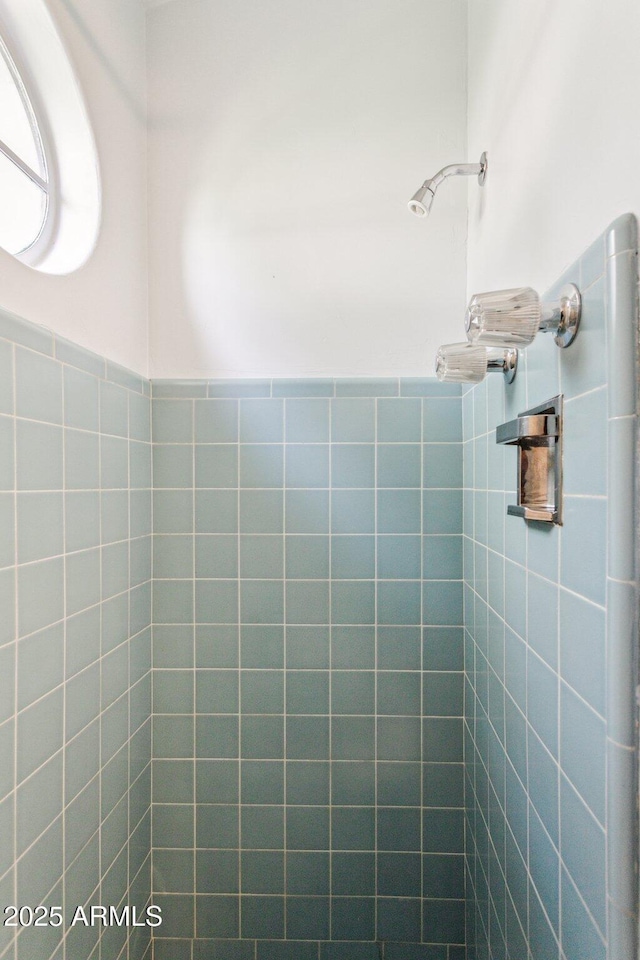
<point x="553" y="97"/>
<point x="285" y="138"/>
<point x="103" y="305"/>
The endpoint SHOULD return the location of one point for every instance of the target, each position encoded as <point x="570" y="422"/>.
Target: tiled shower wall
<point x="307" y="695"/>
<point x="537" y="608"/>
<point x="75" y="566"/>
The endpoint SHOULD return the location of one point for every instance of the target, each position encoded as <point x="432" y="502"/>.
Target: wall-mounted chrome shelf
<point x="538" y="435"/>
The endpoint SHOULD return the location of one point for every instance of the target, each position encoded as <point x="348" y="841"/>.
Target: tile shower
<point x="319" y="714"/>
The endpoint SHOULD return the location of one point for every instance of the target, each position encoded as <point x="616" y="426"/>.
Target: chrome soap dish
<point x="538" y="435"/>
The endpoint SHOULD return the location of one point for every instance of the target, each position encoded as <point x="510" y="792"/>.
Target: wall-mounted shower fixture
<point x="468" y="363"/>
<point x="421" y="201"/>
<point x="512" y="318"/>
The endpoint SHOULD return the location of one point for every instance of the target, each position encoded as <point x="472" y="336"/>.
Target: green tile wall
<point x="549" y="623"/>
<point x="75" y="641"/>
<point x="307" y="681"/>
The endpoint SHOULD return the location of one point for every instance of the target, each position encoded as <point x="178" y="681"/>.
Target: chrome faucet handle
<point x="512" y="318"/>
<point x="470" y="363"/>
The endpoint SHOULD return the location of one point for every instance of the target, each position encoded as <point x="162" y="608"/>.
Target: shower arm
<point x="457" y="170"/>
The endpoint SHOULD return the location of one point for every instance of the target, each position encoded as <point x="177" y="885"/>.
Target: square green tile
<point x="216" y="691"/>
<point x="172" y="556"/>
<point x="216" y="601"/>
<point x="261" y="557"/>
<point x="172" y="421"/>
<point x="399" y="648"/>
<point x="442" y="465"/>
<point x="217" y="781"/>
<point x="262" y="646"/>
<point x="217" y="871"/>
<point x="216" y="646"/>
<point x="173" y="465"/>
<point x="262" y="601"/>
<point x="41" y="594"/>
<point x="216" y="555"/>
<point x="173" y="781"/>
<point x="82" y="519"/>
<point x="38" y="386"/>
<point x="399" y="557"/>
<point x="262" y="737"/>
<point x="262" y="781"/>
<point x="307" y="692"/>
<point x="216" y="511"/>
<point x="216" y="465"/>
<point x="353" y="420"/>
<point x="353" y="738"/>
<point x="307" y="601"/>
<point x="114" y="409"/>
<point x="217" y="825"/>
<point x="307" y="420"/>
<point x="261" y="511"/>
<point x="307" y="465"/>
<point x="353" y="511"/>
<point x="352" y="691"/>
<point x="307" y="738"/>
<point x="306" y="511"/>
<point x="307" y="647"/>
<point x="114" y="462"/>
<point x="262" y="827"/>
<point x="262" y="691"/>
<point x="353" y="647"/>
<point x="353" y="602"/>
<point x="40" y="526"/>
<point x="261" y="465"/>
<point x="399" y="601"/>
<point x="399" y="511"/>
<point x="172" y="511"/>
<point x="307" y="828"/>
<point x="261" y="421"/>
<point x="308" y="782"/>
<point x="353" y="465"/>
<point x="39" y="456"/>
<point x="353" y="783"/>
<point x="399" y="419"/>
<point x="398" y="465"/>
<point x="216" y="737"/>
<point x="216" y="421"/>
<point x="398" y="693"/>
<point x="173" y="601"/>
<point x="353" y="557"/>
<point x="307" y="557"/>
<point x="80" y="399"/>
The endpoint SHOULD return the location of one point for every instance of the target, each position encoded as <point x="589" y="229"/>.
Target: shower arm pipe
<point x="455" y="170"/>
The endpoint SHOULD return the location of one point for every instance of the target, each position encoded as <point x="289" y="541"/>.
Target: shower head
<point x="420" y="203"/>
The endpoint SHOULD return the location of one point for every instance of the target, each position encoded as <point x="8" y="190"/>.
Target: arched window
<point x="49" y="181"/>
<point x="24" y="184"/>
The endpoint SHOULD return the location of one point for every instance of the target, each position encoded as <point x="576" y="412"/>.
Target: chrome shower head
<point x="420" y="203"/>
